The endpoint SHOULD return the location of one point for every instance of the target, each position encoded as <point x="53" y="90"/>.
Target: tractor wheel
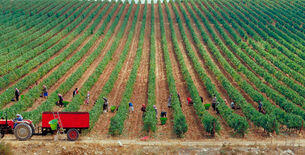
<point x="72" y="134"/>
<point x="23" y="132"/>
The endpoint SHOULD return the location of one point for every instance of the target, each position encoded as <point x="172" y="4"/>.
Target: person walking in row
<point x="214" y="101"/>
<point x="87" y="98"/>
<point x="75" y="92"/>
<point x="17" y="94"/>
<point x="44" y="91"/>
<point x="105" y="105"/>
<point x="169" y="104"/>
<point x="156" y="110"/>
<point x="60" y="101"/>
<point x="179" y="99"/>
<point x="143" y="109"/>
<point x="131" y="109"/>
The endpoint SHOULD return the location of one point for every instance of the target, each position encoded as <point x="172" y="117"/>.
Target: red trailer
<point x="71" y="123"/>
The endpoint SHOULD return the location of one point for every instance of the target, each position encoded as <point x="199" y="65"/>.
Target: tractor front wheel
<point x="23" y="131"/>
<point x="72" y="134"/>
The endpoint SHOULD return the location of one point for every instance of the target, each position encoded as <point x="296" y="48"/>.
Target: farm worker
<point x="169" y="104"/>
<point x="17" y="94"/>
<point x="105" y="105"/>
<point x="18" y="118"/>
<point x="260" y="105"/>
<point x="189" y="101"/>
<point x="60" y="101"/>
<point x="217" y="111"/>
<point x="44" y="91"/>
<point x="163" y="114"/>
<point x="156" y="110"/>
<point x="201" y="98"/>
<point x="232" y="105"/>
<point x="87" y="98"/>
<point x="75" y="92"/>
<point x="179" y="99"/>
<point x="214" y="101"/>
<point x="143" y="109"/>
<point x="131" y="109"/>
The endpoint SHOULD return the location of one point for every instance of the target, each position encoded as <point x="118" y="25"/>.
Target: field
<point x="244" y="52"/>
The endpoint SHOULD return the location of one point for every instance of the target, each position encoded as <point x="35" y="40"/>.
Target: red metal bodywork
<point x="78" y="120"/>
<point x="11" y="122"/>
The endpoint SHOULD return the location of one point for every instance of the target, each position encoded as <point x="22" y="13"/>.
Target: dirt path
<point x="208" y="146"/>
<point x="134" y="123"/>
<point x="114" y="97"/>
<point x="162" y="91"/>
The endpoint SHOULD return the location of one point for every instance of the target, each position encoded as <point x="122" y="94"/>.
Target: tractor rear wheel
<point x="23" y="131"/>
<point x="72" y="134"/>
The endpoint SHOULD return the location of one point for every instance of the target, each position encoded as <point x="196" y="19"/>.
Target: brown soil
<point x="162" y="91"/>
<point x="134" y="124"/>
<point x="194" y="127"/>
<point x="46" y="145"/>
<point x="114" y="97"/>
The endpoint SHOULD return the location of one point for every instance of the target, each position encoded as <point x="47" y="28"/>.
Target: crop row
<point x="299" y="62"/>
<point x="117" y="122"/>
<point x="260" y="120"/>
<point x="150" y="121"/>
<point x="288" y="93"/>
<point x="210" y="123"/>
<point x="280" y="100"/>
<point x="15" y="39"/>
<point x="261" y="51"/>
<point x="68" y="84"/>
<point x="180" y="127"/>
<point x="80" y="98"/>
<point x="34" y="93"/>
<point x="13" y="21"/>
<point x="238" y="123"/>
<point x="291" y="121"/>
<point x="44" y="69"/>
<point x="21" y="55"/>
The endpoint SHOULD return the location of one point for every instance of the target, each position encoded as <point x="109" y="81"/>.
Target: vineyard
<point x="246" y="52"/>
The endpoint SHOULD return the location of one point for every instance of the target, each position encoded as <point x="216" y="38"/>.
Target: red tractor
<point x="71" y="123"/>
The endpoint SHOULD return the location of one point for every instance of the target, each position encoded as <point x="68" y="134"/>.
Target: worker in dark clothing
<point x="179" y="99"/>
<point x="233" y="105"/>
<point x="60" y="101"/>
<point x="156" y="110"/>
<point x="201" y="98"/>
<point x="17" y="94"/>
<point x="260" y="106"/>
<point x="75" y="92"/>
<point x="105" y="105"/>
<point x="44" y="91"/>
<point x="169" y="104"/>
<point x="214" y="101"/>
<point x="163" y="114"/>
<point x="216" y="108"/>
<point x="143" y="109"/>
